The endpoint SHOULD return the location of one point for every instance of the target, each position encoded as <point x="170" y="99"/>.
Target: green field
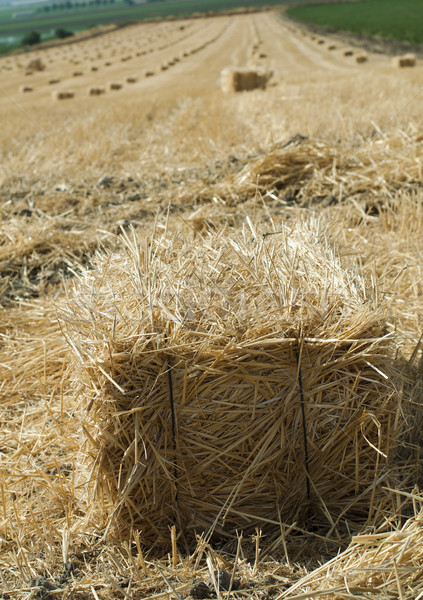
<point x="391" y="19"/>
<point x="82" y="17"/>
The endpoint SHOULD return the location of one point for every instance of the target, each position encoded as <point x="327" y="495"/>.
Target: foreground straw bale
<point x="233" y="384"/>
<point x="238" y="80"/>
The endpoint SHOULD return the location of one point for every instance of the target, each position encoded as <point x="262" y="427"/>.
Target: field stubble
<point x="171" y="154"/>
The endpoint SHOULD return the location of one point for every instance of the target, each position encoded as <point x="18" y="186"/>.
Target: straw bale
<point x="114" y="85"/>
<point x="238" y="80"/>
<point x="332" y="47"/>
<point x="361" y="58"/>
<point x="232" y="382"/>
<point x="131" y="80"/>
<point x="53" y="81"/>
<point x="77" y="74"/>
<point x="406" y="60"/>
<point x="348" y="52"/>
<point x="150" y="73"/>
<point x="63" y="95"/>
<point x="25" y="89"/>
<point x="36" y="65"/>
<point x="96" y="91"/>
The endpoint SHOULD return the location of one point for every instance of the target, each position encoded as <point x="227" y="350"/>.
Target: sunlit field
<point x="210" y="317"/>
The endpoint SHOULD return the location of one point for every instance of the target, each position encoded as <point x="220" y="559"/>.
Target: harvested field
<point x="211" y="311"/>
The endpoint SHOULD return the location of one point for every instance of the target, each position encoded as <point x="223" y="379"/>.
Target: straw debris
<point x="245" y="380"/>
<point x="384" y="564"/>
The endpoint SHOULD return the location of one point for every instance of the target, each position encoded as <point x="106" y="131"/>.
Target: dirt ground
<point x="332" y="138"/>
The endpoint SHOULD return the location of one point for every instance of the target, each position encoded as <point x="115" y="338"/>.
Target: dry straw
<point x="385" y="564"/>
<point x="234" y="383"/>
<point x="311" y="171"/>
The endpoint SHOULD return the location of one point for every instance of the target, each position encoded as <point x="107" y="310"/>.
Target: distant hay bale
<point x="96" y="91"/>
<point x="321" y="42"/>
<point x="63" y="95"/>
<point x="406" y="60"/>
<point x="262" y="55"/>
<point x="94" y="68"/>
<point x="131" y="80"/>
<point x="164" y="67"/>
<point x="149" y="73"/>
<point x="27" y="73"/>
<point x="36" y="65"/>
<point x="77" y="74"/>
<point x="53" y="81"/>
<point x="332" y="47"/>
<point x="115" y="85"/>
<point x="238" y="80"/>
<point x="361" y="58"/>
<point x="348" y="52"/>
<point x="25" y="89"/>
<point x="234" y="383"/>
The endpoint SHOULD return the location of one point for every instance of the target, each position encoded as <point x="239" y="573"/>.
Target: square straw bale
<point x="406" y="60"/>
<point x="239" y="80"/>
<point x="229" y="383"/>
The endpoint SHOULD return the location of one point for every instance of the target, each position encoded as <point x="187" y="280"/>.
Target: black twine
<point x="173" y="420"/>
<point x="300" y="385"/>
